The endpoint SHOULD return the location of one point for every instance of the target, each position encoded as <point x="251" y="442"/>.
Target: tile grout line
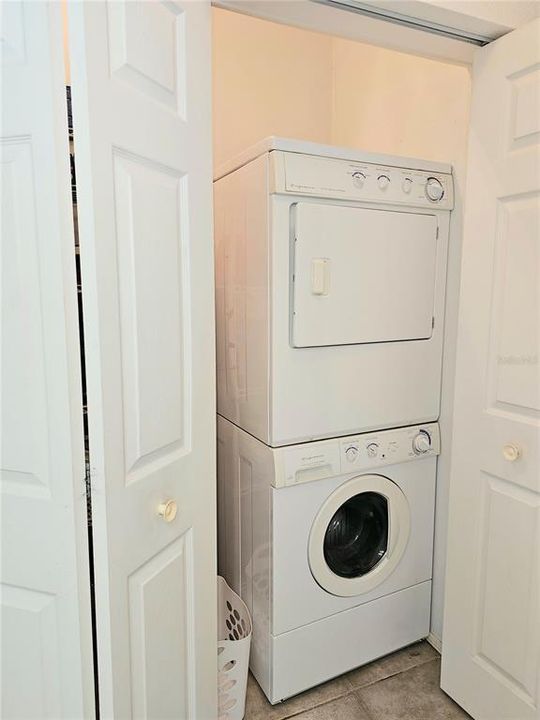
<point x="362" y="704"/>
<point x="358" y="691"/>
<point x="314" y="707"/>
<point x="331" y="700"/>
<point x="355" y="690"/>
<point x="387" y="677"/>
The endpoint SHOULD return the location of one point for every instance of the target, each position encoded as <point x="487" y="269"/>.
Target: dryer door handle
<point x="320" y="276"/>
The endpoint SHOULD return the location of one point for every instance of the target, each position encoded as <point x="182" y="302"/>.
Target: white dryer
<point x="330" y="278"/>
<point x="330" y="545"/>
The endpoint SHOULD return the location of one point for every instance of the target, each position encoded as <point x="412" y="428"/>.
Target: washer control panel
<point x="390" y="446"/>
<point x="361" y="181"/>
<point x="329" y="458"/>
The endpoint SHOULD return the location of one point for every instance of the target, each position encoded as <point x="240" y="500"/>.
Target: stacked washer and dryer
<point x="330" y="281"/>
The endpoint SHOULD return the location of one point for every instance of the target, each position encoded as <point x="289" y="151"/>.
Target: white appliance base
<point x="314" y="653"/>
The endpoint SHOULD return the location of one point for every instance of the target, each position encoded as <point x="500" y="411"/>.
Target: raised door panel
<point x="160" y="608"/>
<point x="151" y="235"/>
<point x="525" y="107"/>
<point x="515" y="348"/>
<point x="32" y="679"/>
<point x="159" y="73"/>
<point x="506" y="640"/>
<point x="13" y="34"/>
<point x="25" y="455"/>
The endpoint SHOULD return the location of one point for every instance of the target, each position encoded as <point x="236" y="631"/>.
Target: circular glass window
<point x="356" y="538"/>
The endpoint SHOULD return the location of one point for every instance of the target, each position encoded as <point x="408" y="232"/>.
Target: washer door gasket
<point x="359" y="535"/>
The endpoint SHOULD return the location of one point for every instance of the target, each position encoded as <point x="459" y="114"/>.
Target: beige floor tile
<point x="399" y="661"/>
<point x="258" y="707"/>
<point x="411" y="695"/>
<point x="344" y="708"/>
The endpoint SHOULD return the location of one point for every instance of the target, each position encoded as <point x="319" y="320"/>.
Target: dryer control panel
<point x="340" y="456"/>
<point x="361" y="181"/>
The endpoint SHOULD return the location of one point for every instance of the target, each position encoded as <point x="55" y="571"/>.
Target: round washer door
<point x="359" y="535"/>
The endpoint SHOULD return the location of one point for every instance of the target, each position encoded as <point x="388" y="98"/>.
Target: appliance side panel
<point x="242" y="311"/>
<point x="448" y="364"/>
<point x="258" y="566"/>
<point x="246" y="468"/>
<point x="228" y="504"/>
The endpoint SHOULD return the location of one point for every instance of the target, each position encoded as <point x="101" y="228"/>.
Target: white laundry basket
<point x="234" y="640"/>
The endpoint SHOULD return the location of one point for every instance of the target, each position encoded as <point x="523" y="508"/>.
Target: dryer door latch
<point x="320" y="276"/>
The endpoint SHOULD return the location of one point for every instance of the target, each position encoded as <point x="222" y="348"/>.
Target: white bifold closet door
<point x="140" y="76"/>
<point x="491" y="641"/>
<point x="46" y="664"/>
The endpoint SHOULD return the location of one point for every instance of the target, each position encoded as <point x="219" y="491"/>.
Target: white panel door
<point x="46" y="668"/>
<point x="491" y="641"/>
<point x="362" y="276"/>
<point x="142" y="130"/>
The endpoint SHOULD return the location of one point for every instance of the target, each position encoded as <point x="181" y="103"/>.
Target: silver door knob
<point x="511" y="452"/>
<point x="167" y="510"/>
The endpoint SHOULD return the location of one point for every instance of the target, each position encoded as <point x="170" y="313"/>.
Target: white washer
<point x="330" y="277"/>
<point x="330" y="545"/>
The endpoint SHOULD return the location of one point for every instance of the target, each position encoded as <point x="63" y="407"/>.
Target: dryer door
<point x="359" y="535"/>
<point x="361" y="276"/>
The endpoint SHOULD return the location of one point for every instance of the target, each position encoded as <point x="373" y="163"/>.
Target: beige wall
<point x="270" y="79"/>
<point x="399" y="104"/>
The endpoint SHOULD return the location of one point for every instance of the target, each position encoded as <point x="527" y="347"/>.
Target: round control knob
<point x="372" y="450"/>
<point x="406" y="185"/>
<point x="359" y="179"/>
<point x="351" y="453"/>
<point x="421" y="442"/>
<point x="434" y="189"/>
<point x="383" y="181"/>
